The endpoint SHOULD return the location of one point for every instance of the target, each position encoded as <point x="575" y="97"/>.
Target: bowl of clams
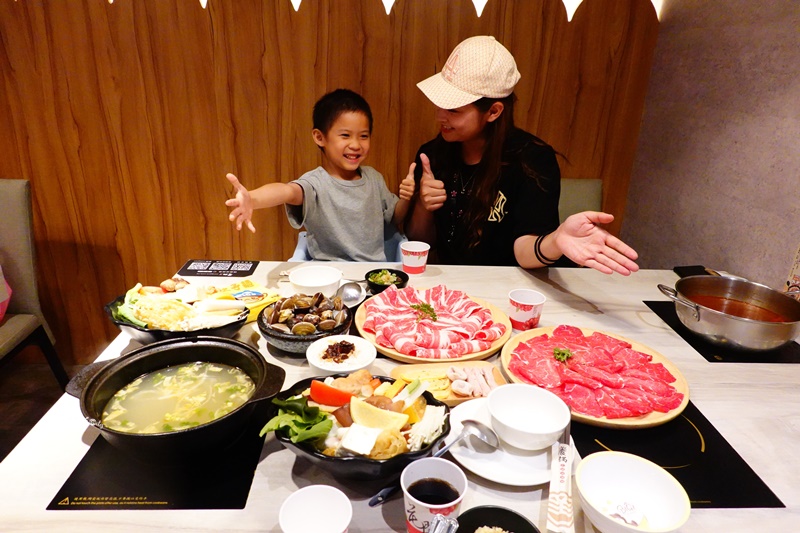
<point x="292" y="324"/>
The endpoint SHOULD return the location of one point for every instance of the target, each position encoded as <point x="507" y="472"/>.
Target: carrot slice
<point x="327" y="395"/>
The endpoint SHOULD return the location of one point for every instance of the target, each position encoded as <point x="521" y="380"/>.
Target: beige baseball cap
<point x="478" y="67"/>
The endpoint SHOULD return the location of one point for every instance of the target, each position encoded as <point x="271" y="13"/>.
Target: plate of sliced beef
<point x="606" y="379"/>
<point x="432" y="325"/>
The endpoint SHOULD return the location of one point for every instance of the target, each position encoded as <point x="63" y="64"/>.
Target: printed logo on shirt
<point x="499" y="209"/>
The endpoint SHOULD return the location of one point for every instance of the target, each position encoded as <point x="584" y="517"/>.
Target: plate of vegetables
<point x="381" y="278"/>
<point x="358" y="425"/>
<point x="148" y="314"/>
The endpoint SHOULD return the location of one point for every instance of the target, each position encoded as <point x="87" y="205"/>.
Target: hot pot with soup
<point x="176" y="399"/>
<point x="735" y="312"/>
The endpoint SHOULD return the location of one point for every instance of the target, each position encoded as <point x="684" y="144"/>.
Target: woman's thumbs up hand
<point x="431" y="191"/>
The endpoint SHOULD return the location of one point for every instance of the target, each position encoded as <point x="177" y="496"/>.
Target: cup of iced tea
<point x="431" y="486"/>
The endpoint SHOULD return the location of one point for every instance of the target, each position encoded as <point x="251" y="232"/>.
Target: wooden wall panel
<point x="126" y="117"/>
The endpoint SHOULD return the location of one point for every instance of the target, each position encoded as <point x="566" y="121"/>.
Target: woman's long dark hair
<point x="488" y="172"/>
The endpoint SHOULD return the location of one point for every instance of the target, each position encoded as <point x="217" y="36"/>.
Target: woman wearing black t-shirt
<point x="488" y="191"/>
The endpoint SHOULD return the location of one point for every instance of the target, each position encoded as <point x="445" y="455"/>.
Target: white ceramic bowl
<point x="318" y="508"/>
<point x="315" y="278"/>
<point x="649" y="495"/>
<point x="363" y="356"/>
<point x="527" y="416"/>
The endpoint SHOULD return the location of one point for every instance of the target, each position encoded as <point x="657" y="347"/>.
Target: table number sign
<point x="218" y="268"/>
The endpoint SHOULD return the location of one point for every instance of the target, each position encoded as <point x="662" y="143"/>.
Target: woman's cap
<point x="479" y="67"/>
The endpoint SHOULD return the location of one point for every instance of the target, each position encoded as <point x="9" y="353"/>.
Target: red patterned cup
<point x="526" y="308"/>
<point x="415" y="256"/>
<point x="431" y="486"/>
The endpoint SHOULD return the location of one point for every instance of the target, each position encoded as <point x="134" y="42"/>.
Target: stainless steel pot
<point x="729" y="330"/>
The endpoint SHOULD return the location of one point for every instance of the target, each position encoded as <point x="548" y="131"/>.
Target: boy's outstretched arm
<point x="406" y="193"/>
<point x="269" y="195"/>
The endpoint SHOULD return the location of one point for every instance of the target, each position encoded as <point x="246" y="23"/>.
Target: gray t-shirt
<point x="344" y="219"/>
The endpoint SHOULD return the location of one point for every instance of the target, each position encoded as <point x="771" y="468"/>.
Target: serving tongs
<point x="560" y="513"/>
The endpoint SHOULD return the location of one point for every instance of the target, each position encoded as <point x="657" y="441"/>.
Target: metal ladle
<point x="468" y="427"/>
<point x="351" y="293"/>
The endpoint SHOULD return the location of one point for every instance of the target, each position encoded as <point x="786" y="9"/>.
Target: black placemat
<point x="789" y="353"/>
<point x="218" y="267"/>
<point x="107" y="478"/>
<point x="693" y="451"/>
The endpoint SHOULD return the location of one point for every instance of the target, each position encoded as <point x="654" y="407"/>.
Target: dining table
<point x="754" y="406"/>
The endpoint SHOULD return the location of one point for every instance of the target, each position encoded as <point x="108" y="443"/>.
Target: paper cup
<point x="526" y="308"/>
<point x="317" y="508"/>
<point x="415" y="256"/>
<point x="427" y="480"/>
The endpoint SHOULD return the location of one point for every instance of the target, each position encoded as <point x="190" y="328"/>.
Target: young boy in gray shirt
<point x="343" y="205"/>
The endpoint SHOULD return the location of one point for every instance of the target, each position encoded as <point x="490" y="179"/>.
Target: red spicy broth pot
<point x="735" y="312"/>
<point x="100" y="381"/>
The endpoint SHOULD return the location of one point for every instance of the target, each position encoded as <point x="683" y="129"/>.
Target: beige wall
<point x="716" y="180"/>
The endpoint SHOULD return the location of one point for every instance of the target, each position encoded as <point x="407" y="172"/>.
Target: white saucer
<point x="506" y="465"/>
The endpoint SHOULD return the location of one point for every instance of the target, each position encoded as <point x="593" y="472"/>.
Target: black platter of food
<point x="357" y="467"/>
<point x="147" y="335"/>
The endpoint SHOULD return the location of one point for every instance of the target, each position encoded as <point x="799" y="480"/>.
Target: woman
<point x="488" y="191"/>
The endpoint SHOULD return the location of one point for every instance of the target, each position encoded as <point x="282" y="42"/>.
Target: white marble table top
<point x="754" y="406"/>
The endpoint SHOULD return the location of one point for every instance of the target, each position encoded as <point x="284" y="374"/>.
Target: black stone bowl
<point x="97" y="383"/>
<point x="148" y="336"/>
<point x="375" y="288"/>
<point x="493" y="516"/>
<point x="356" y="467"/>
<point x="298" y="344"/>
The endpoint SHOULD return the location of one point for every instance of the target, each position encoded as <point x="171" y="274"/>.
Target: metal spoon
<point x="469" y="427"/>
<point x="351" y="293"/>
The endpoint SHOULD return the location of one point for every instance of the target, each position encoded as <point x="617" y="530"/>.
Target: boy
<point x="343" y="205"/>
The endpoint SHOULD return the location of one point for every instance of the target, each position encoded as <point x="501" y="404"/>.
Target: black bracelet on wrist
<point x="537" y="249"/>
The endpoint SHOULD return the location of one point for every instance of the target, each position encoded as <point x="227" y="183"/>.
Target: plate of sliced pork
<point x="607" y="380"/>
<point x="432" y="325"/>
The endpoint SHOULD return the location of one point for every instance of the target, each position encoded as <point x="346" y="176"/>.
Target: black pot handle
<point x="272" y="384"/>
<point x="78" y="382"/>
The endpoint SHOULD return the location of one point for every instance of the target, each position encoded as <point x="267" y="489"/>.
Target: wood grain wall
<point x="126" y="117"/>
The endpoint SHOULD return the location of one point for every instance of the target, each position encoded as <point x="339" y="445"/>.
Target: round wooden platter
<point x="634" y="422"/>
<point x="497" y="316"/>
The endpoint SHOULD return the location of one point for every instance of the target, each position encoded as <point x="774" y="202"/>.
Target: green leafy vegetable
<point x="562" y="354"/>
<point x="299" y="421"/>
<point x="424" y="310"/>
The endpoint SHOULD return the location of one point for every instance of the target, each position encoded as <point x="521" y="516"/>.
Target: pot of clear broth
<point x="735" y="312"/>
<point x="175" y="400"/>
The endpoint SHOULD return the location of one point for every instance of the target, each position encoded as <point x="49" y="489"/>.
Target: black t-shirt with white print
<point x="526" y="200"/>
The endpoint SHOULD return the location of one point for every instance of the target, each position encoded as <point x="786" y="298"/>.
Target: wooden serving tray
<point x="634" y="422"/>
<point x="453" y="399"/>
<point x="497" y="316"/>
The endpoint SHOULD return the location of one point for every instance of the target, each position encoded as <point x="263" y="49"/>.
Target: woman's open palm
<point x="582" y="240"/>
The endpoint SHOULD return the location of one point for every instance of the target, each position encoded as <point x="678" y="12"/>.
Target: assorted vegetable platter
<point x="373" y="424"/>
<point x="179" y="306"/>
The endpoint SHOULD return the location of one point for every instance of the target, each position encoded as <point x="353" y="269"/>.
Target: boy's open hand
<point x="408" y="185"/>
<point x="242" y="205"/>
<point x="431" y="191"/>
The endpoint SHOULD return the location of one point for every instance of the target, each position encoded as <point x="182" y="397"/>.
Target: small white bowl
<point x="640" y="490"/>
<point x="526" y="416"/>
<point x="318" y="508"/>
<point x="315" y="278"/>
<point x="362" y="357"/>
